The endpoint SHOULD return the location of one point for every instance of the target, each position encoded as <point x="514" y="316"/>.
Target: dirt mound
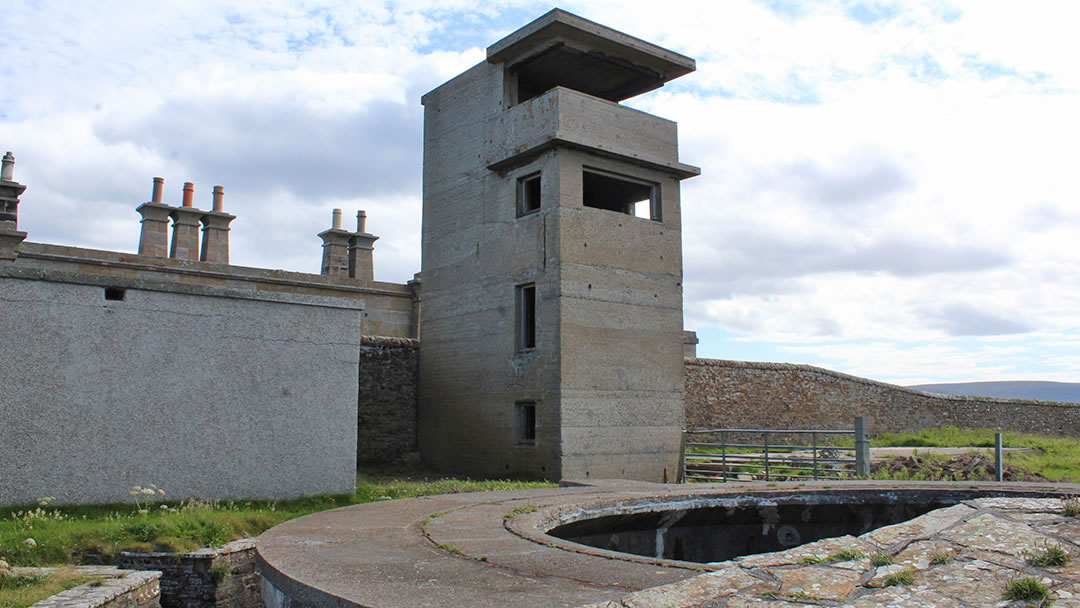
<point x="966" y="467"/>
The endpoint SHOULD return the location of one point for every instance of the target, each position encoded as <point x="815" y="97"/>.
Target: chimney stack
<point x="10" y="190"/>
<point x="185" y="228"/>
<point x="215" y="232"/>
<point x="154" y="236"/>
<point x="361" y="246"/>
<point x="335" y="256"/>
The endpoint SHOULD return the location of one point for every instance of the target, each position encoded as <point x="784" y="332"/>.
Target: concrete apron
<point x="489" y="549"/>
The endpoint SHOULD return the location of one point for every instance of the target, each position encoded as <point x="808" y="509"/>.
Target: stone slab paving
<point x="962" y="556"/>
<point x="491" y="549"/>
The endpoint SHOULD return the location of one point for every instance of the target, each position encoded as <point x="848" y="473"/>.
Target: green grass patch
<point x="1070" y="506"/>
<point x="898" y="579"/>
<point x="522" y="510"/>
<point x="22" y="590"/>
<point x="1026" y="588"/>
<point x="95" y="534"/>
<point x="1057" y="458"/>
<point x="1051" y="556"/>
<point x="811" y="559"/>
<point x="881" y="559"/>
<point x="939" y="559"/>
<point x="846" y="555"/>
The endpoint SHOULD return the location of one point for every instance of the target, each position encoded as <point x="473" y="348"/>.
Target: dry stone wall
<point x="781" y="395"/>
<point x="387" y="399"/>
<point x="225" y="577"/>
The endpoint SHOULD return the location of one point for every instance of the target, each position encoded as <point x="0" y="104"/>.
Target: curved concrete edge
<point x="492" y="548"/>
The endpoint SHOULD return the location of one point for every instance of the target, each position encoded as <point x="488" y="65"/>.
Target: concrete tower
<point x="551" y="316"/>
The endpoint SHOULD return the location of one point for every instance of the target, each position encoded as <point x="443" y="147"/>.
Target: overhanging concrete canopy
<point x="561" y="49"/>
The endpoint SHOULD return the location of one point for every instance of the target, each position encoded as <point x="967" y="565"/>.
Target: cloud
<point x="870" y="168"/>
<point x="268" y="145"/>
<point x="760" y="261"/>
<point x="962" y="319"/>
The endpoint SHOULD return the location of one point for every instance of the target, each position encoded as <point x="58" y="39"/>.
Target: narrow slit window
<point x="525" y="422"/>
<point x="528" y="194"/>
<point x="525" y="303"/>
<point x="602" y="190"/>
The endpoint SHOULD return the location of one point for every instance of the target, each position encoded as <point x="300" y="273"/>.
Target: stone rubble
<point x="959" y="557"/>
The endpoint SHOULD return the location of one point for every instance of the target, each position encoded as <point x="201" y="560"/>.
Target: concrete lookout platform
<point x="492" y="549"/>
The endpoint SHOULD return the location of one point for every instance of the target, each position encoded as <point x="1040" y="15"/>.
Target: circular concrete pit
<point x="566" y="546"/>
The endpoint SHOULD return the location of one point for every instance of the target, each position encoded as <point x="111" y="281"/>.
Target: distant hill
<point x="1047" y="391"/>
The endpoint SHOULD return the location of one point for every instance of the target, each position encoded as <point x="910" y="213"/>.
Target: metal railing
<point x="719" y="458"/>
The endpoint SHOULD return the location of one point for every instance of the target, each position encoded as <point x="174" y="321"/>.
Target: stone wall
<point x="387" y="399"/>
<point x="743" y="394"/>
<point x="118" y="589"/>
<point x="225" y="577"/>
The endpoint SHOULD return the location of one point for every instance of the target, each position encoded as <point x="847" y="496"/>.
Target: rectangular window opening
<point x="115" y="293"/>
<point x="602" y="190"/>
<point x="525" y="422"/>
<point x="525" y="304"/>
<point x="528" y="194"/>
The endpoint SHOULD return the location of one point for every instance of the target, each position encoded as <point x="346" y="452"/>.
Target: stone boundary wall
<point x="120" y="589"/>
<point x="387" y="399"/>
<point x="225" y="577"/>
<point x="742" y="394"/>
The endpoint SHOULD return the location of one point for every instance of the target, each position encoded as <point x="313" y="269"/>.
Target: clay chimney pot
<point x="189" y="192"/>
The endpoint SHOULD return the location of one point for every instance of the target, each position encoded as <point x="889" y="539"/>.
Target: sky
<point x="888" y="189"/>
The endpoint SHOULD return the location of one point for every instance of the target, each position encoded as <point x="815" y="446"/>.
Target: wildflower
<point x="30" y="543"/>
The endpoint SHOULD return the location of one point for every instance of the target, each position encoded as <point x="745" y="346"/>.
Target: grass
<point x="1070" y="506"/>
<point x="1051" y="556"/>
<point x="1026" y="588"/>
<point x="1057" y="458"/>
<point x="522" y="510"/>
<point x="22" y="590"/>
<point x="939" y="559"/>
<point x="846" y="555"/>
<point x="95" y="534"/>
<point x="881" y="559"/>
<point x="897" y="579"/>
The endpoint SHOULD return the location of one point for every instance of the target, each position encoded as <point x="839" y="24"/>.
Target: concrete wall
<point x="475" y="251"/>
<point x="388" y="399"/>
<point x="742" y="394"/>
<point x="606" y="371"/>
<point x="621" y="349"/>
<point x="201" y="379"/>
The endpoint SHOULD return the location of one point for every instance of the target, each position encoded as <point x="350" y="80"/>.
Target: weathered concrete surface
<point x="744" y="394"/>
<point x="605" y="373"/>
<point x="491" y="549"/>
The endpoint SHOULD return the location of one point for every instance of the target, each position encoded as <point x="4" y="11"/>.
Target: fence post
<point x="766" y="434"/>
<point x="998" y="461"/>
<point x="681" y="478"/>
<point x="723" y="456"/>
<point x="862" y="448"/>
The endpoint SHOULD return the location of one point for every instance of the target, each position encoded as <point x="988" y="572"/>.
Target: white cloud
<point x="878" y="178"/>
